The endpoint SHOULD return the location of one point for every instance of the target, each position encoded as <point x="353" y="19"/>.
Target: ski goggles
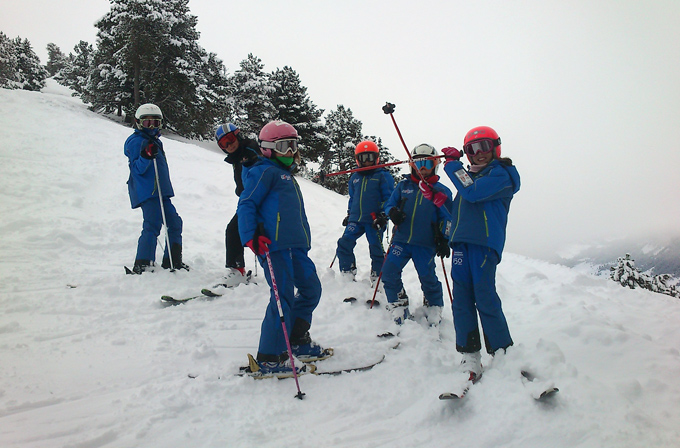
<point x="485" y="145"/>
<point x="364" y="157"/>
<point x="226" y="140"/>
<point x="428" y="164"/>
<point x="151" y="122"/>
<point x="281" y="146"/>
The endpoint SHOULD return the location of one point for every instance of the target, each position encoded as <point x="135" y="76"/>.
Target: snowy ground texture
<point x="90" y="359"/>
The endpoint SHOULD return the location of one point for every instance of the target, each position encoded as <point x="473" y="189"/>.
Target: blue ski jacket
<point x="480" y="209"/>
<point x="272" y="196"/>
<point x="368" y="192"/>
<point x="142" y="180"/>
<point x="422" y="216"/>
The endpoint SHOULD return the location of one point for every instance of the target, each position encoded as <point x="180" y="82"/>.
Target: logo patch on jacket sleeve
<point x="464" y="177"/>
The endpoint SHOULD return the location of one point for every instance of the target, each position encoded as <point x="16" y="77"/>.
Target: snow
<point x="91" y="359"/>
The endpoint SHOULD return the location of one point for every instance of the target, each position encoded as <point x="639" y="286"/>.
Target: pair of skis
<point x="206" y="293"/>
<point x="311" y="367"/>
<point x="539" y="391"/>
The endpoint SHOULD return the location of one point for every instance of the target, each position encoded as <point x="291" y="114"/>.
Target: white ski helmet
<point x="147" y="110"/>
<point x="425" y="150"/>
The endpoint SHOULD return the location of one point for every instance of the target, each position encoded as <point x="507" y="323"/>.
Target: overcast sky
<point x="584" y="93"/>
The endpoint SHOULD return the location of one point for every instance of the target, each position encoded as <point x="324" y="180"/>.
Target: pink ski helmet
<point x="273" y="131"/>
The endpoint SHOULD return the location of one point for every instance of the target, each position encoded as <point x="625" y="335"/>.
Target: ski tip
<point x="548" y="393"/>
<point x="170" y="301"/>
<point x="388" y="334"/>
<point x="210" y="293"/>
<point x="451" y="396"/>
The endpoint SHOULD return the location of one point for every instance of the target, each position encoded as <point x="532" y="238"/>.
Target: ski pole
<point x="332" y="262"/>
<point x="377" y="282"/>
<point x="165" y="224"/>
<point x="299" y="395"/>
<point x="448" y="288"/>
<point x="388" y="108"/>
<point x="382" y="165"/>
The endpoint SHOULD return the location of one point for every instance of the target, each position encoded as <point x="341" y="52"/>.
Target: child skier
<point x="368" y="192"/>
<point x="241" y="152"/>
<point x="480" y="216"/>
<point x="273" y="223"/>
<point x="144" y="149"/>
<point x="419" y="223"/>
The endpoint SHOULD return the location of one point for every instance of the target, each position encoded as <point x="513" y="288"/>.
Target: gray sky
<point x="584" y="93"/>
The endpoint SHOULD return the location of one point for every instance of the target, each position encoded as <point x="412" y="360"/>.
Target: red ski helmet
<point x="482" y="133"/>
<point x="273" y="131"/>
<point x="367" y="151"/>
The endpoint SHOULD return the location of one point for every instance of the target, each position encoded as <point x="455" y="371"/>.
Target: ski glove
<point x="259" y="244"/>
<point x="441" y="245"/>
<point x="437" y="197"/>
<point x="150" y="151"/>
<point x="452" y="153"/>
<point x="397" y="216"/>
<point x="345" y="221"/>
<point x="379" y="220"/>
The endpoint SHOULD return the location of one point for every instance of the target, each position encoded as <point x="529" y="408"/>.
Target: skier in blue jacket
<point x="368" y="192"/>
<point x="419" y="223"/>
<point x="480" y="215"/>
<point x="142" y="148"/>
<point x="272" y="218"/>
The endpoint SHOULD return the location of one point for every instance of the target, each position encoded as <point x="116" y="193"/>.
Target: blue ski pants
<point x="151" y="227"/>
<point x="292" y="269"/>
<point x="473" y="272"/>
<point x="348" y="241"/>
<point x="423" y="259"/>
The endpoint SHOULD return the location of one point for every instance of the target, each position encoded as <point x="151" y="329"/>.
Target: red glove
<point x="452" y="153"/>
<point x="259" y="245"/>
<point x="149" y="151"/>
<point x="437" y="197"/>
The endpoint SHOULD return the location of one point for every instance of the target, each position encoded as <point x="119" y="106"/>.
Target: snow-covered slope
<point x="90" y="359"/>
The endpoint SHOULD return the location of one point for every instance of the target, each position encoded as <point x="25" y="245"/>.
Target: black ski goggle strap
<point x="364" y="157"/>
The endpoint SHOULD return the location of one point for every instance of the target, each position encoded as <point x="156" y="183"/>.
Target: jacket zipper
<point x="278" y="220"/>
<point x="413" y="214"/>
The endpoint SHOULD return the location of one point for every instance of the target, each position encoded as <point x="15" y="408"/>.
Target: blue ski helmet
<point x="225" y="129"/>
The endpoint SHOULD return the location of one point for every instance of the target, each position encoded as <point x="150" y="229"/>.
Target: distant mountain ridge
<point x="650" y="256"/>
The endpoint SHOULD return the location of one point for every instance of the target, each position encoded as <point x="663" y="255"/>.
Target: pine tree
<point x="293" y="105"/>
<point x="77" y="68"/>
<point x="8" y="63"/>
<point x="148" y="52"/>
<point x="626" y="274"/>
<point x="56" y="60"/>
<point x="251" y="92"/>
<point x="344" y="133"/>
<point x="31" y="75"/>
